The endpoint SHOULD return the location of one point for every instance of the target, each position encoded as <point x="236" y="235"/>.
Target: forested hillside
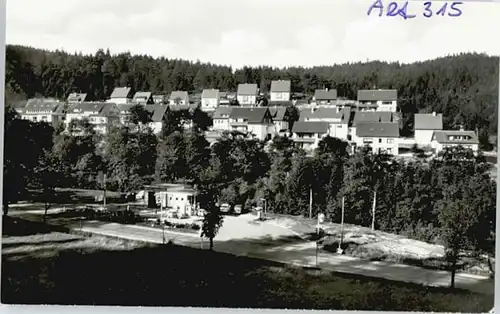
<point x="463" y="87"/>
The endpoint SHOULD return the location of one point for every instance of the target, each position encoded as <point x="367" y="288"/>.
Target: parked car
<point x="225" y="208"/>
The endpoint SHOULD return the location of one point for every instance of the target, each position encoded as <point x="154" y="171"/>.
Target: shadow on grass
<point x="38" y="243"/>
<point x="16" y="227"/>
<point x="75" y="196"/>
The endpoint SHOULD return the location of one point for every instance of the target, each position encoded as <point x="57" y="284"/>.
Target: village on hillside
<point x="372" y="119"/>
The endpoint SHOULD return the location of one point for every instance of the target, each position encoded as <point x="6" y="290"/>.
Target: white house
<point x="253" y="120"/>
<point x="143" y="98"/>
<point x="325" y="97"/>
<point x="75" y="98"/>
<point x="159" y="99"/>
<point x="121" y="95"/>
<point x="247" y="94"/>
<point x="102" y="115"/>
<point x="221" y="118"/>
<point x="159" y="113"/>
<point x="177" y="197"/>
<point x="280" y="119"/>
<point x="307" y="135"/>
<point x="425" y="126"/>
<point x="382" y="137"/>
<point x="337" y="119"/>
<point x="43" y="110"/>
<point x="210" y="99"/>
<point x="378" y="100"/>
<point x="280" y="90"/>
<point x="178" y="98"/>
<point x="453" y="138"/>
<point x="363" y="117"/>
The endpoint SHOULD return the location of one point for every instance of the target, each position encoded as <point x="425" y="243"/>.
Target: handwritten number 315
<point x="453" y="12"/>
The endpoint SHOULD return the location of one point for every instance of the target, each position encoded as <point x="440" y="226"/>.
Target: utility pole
<point x="310" y="203"/>
<point x="104" y="185"/>
<point x="373" y="209"/>
<point x="339" y="250"/>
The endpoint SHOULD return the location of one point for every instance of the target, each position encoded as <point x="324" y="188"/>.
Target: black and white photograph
<point x="251" y="154"/>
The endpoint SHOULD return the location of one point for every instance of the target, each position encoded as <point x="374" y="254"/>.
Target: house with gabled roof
<point x="210" y="99"/>
<point x="425" y="126"/>
<point x="280" y="119"/>
<point x="368" y="116"/>
<point x="307" y="135"/>
<point x="252" y="120"/>
<point x="159" y="99"/>
<point x="325" y="97"/>
<point x="47" y="110"/>
<point x="178" y="97"/>
<point x="453" y="138"/>
<point x="121" y="95"/>
<point x="382" y="137"/>
<point x="74" y="98"/>
<point x="247" y="94"/>
<point x="158" y="116"/>
<point x="102" y="115"/>
<point x="280" y="90"/>
<point x="143" y="98"/>
<point x="377" y="100"/>
<point x="337" y="118"/>
<point x="221" y="118"/>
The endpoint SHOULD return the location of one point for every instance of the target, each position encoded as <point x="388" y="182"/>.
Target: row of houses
<point x="378" y="129"/>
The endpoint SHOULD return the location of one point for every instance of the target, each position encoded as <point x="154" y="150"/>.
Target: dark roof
<point x="251" y="114"/>
<point x="377" y="116"/>
<point x="428" y="121"/>
<point x="377" y="129"/>
<point x="108" y="109"/>
<point x="121" y="92"/>
<point x="182" y="107"/>
<point x="278" y="113"/>
<point x="310" y="127"/>
<point x="145" y="95"/>
<point x="247" y="89"/>
<point x="443" y="137"/>
<point x="77" y="97"/>
<point x="158" y="112"/>
<point x="90" y="106"/>
<point x="322" y="94"/>
<point x="377" y="94"/>
<point x="222" y="112"/>
<point x="279" y="103"/>
<point x="281" y="86"/>
<point x="210" y="93"/>
<point x="179" y="94"/>
<point x="320" y="113"/>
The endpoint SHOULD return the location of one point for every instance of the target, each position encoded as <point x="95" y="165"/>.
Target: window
<point x="176" y="198"/>
<point x="182" y="198"/>
<point x="390" y="141"/>
<point x="278" y="95"/>
<point x="380" y="140"/>
<point x="170" y="197"/>
<point x="339" y="126"/>
<point x="367" y="140"/>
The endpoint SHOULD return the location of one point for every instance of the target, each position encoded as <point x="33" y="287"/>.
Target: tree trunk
<point x="490" y="266"/>
<point x="47" y="206"/>
<point x="453" y="273"/>
<point x="211" y="244"/>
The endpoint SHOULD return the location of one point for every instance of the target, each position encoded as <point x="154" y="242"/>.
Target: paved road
<point x="302" y="254"/>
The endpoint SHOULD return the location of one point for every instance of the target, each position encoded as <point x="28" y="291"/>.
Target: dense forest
<point x="463" y="87"/>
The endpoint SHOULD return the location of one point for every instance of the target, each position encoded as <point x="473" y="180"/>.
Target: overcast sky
<point x="251" y="32"/>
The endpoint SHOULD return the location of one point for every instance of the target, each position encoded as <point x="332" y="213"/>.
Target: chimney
<point x="433" y="113"/>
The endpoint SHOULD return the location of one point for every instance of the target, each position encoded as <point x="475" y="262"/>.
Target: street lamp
<point x="265" y="207"/>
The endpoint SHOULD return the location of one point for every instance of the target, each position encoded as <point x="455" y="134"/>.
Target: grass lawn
<point x="54" y="268"/>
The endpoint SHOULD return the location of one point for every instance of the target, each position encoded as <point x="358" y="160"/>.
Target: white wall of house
<point x="181" y="102"/>
<point x="259" y="130"/>
<point x="208" y="104"/>
<point x="440" y="147"/>
<point x="387" y="106"/>
<point x="156" y="127"/>
<point x="423" y="137"/>
<point x="298" y="138"/>
<point x="178" y="200"/>
<point x="280" y="125"/>
<point x="388" y="145"/>
<point x="39" y="117"/>
<point x="280" y="96"/>
<point x="247" y="99"/>
<point x="221" y="124"/>
<point x="339" y="130"/>
<point x="120" y="101"/>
